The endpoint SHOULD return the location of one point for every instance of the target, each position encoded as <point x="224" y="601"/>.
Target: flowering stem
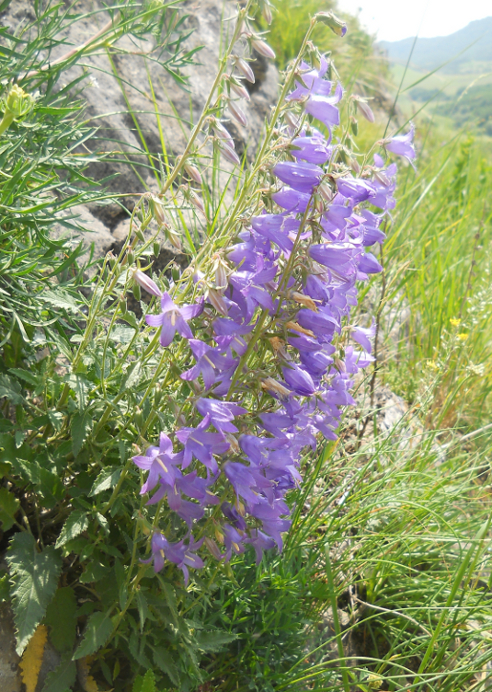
<point x="218" y="78"/>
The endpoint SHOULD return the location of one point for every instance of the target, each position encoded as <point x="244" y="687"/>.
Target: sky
<point x="393" y="20"/>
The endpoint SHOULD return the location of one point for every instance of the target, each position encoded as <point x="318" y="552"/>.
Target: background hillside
<point x="453" y="73"/>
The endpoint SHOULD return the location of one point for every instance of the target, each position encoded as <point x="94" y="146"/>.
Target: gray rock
<point x="10" y="680"/>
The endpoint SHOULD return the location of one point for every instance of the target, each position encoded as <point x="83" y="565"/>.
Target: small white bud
<point x="262" y="48"/>
<point x="245" y="68"/>
<point x="237" y="113"/>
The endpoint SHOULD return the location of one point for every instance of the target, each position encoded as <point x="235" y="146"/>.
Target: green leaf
<point x="9" y="506"/>
<point x="63" y="677"/>
<point x="81" y="387"/>
<point x="108" y="478"/>
<point x="97" y="632"/>
<point x="26" y="376"/>
<point x="59" y="298"/>
<point x="214" y="640"/>
<point x="81" y="425"/>
<point x="10" y="389"/>
<point x="62" y="620"/>
<point x="77" y="522"/>
<point x="34" y="578"/>
<point x="145" y="683"/>
<point x="162" y="659"/>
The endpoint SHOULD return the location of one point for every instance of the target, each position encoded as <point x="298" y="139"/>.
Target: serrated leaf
<point x="162" y="659"/>
<point x="34" y="579"/>
<point x="10" y="389"/>
<point x="59" y="298"/>
<point x="26" y="375"/>
<point x="61" y="617"/>
<point x="32" y="658"/>
<point x="108" y="478"/>
<point x="63" y="677"/>
<point x="76" y="523"/>
<point x="81" y="425"/>
<point x="9" y="506"/>
<point x="133" y="375"/>
<point x="145" y="683"/>
<point x="214" y="640"/>
<point x="97" y="632"/>
<point x="81" y="387"/>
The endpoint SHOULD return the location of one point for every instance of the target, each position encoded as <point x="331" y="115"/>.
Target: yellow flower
<point x="462" y="336"/>
<point x="455" y="321"/>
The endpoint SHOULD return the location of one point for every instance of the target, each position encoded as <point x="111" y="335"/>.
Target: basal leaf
<point x="34" y="578"/>
<point x="9" y="505"/>
<point x="61" y="619"/>
<point x="63" y="677"/>
<point x="96" y="634"/>
<point x="81" y="425"/>
<point x="32" y="658"/>
<point x="76" y="523"/>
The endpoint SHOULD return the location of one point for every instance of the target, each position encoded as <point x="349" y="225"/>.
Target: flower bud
<point x="18" y="102"/>
<point x="213" y="548"/>
<point x="139" y="234"/>
<point x="245" y="68"/>
<point x="262" y="48"/>
<point x="237" y="113"/>
<point x="230" y="155"/>
<point x="146" y="283"/>
<point x="197" y="201"/>
<point x="273" y="386"/>
<point x="130" y="256"/>
<point x="193" y="172"/>
<point x="137" y="293"/>
<point x="175" y="273"/>
<point x="217" y="300"/>
<point x="364" y="109"/>
<point x="138" y="417"/>
<point x="173" y="237"/>
<point x="338" y="26"/>
<point x="157" y="210"/>
<point x="239" y="89"/>
<point x="354" y="125"/>
<point x="122" y="305"/>
<point x="156" y="248"/>
<point x="267" y="13"/>
<point x="223" y="134"/>
<point x="291" y="120"/>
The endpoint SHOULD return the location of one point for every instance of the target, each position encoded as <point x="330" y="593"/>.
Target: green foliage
<point x="404" y="528"/>
<point x="63" y="677"/>
<point x="34" y="577"/>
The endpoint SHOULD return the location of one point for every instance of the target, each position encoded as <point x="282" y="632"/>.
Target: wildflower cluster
<point x="273" y="354"/>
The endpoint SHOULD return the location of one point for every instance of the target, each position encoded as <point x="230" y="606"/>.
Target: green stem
<point x="6" y="122"/>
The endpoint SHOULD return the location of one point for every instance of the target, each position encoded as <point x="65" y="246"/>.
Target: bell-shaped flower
<point x="303" y="177"/>
<point x="402" y="145"/>
<point x="173" y="319"/>
<point x="220" y="413"/>
<point x="161" y="462"/>
<point x="182" y="554"/>
<point x="202" y="445"/>
<point x="313" y="149"/>
<point x="208" y="360"/>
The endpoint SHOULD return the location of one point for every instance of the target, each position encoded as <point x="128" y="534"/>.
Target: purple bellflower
<point x="173" y="319"/>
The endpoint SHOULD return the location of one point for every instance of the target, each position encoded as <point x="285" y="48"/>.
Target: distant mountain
<point x="475" y="39"/>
